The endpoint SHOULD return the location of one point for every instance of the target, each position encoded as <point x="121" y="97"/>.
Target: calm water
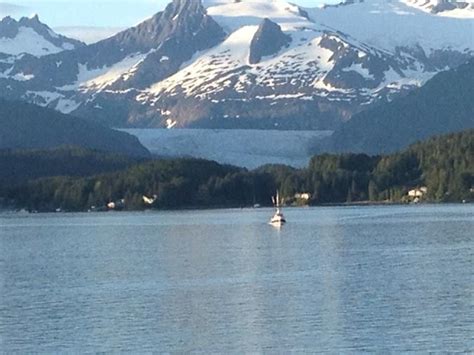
<point x="334" y="279"/>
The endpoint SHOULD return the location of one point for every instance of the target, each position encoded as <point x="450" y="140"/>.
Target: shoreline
<point x="221" y="208"/>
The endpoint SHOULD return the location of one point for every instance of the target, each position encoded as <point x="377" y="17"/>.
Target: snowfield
<point x="234" y="15"/>
<point x="387" y="25"/>
<point x="247" y="148"/>
<point x="28" y="41"/>
<point x="393" y="30"/>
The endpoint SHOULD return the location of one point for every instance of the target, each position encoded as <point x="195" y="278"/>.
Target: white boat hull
<point x="277" y="223"/>
<point x="278" y="218"/>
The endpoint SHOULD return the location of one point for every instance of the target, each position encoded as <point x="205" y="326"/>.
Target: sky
<point x="90" y="20"/>
<point x="115" y="13"/>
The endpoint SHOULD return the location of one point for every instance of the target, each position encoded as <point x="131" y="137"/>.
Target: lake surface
<point x="353" y="279"/>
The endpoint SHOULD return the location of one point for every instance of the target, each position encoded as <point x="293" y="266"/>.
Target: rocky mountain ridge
<point x="247" y="64"/>
<point x="30" y="36"/>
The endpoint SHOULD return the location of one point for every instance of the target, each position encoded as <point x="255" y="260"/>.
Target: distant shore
<point x="197" y="208"/>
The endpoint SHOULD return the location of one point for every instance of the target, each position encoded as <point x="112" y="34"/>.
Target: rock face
<point x="268" y="40"/>
<point x="247" y="64"/>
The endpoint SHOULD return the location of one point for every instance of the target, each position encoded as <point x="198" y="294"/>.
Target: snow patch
<point x="67" y="106"/>
<point x="22" y="77"/>
<point x="358" y="68"/>
<point x="46" y="97"/>
<point x="121" y="70"/>
<point x="98" y="79"/>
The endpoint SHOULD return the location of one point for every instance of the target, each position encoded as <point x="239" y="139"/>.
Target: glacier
<point x="240" y="147"/>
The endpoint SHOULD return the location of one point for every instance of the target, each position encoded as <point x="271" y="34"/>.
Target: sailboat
<point x="278" y="218"/>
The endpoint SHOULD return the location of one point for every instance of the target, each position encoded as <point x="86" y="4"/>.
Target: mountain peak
<point x="268" y="40"/>
<point x="246" y="64"/>
<point x="7" y="19"/>
<point x="34" y="18"/>
<point x="189" y="5"/>
<point x="178" y="16"/>
<point x="29" y="35"/>
<point x="32" y="21"/>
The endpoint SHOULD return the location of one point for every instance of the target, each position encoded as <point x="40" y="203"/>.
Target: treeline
<point x="174" y="183"/>
<point x="444" y="165"/>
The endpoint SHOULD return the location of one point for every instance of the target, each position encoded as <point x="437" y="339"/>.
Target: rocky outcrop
<point x="268" y="40"/>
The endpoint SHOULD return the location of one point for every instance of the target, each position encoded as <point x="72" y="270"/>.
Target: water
<point x="382" y="279"/>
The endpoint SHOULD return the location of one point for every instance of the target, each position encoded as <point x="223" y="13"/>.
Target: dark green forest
<point x="23" y="165"/>
<point x="77" y="180"/>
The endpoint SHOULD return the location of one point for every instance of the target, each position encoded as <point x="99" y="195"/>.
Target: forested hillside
<point x="443" y="165"/>
<point x="27" y="126"/>
<point x="19" y="166"/>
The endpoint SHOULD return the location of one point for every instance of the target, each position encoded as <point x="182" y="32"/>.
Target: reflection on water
<point x="383" y="279"/>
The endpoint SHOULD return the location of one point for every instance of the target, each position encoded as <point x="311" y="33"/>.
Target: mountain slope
<point x="248" y="64"/>
<point x="445" y="104"/>
<point x="27" y="126"/>
<point x="101" y="79"/>
<point x="321" y="78"/>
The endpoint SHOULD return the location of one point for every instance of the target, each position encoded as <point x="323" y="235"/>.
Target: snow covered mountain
<point x="445" y="7"/>
<point x="30" y="36"/>
<point x="250" y="63"/>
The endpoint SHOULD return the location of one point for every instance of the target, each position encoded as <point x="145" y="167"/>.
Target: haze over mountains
<point x="248" y="64"/>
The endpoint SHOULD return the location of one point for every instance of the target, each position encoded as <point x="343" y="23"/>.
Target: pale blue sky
<point x="103" y="13"/>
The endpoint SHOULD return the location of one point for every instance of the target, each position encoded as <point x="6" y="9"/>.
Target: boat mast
<point x="277" y="202"/>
